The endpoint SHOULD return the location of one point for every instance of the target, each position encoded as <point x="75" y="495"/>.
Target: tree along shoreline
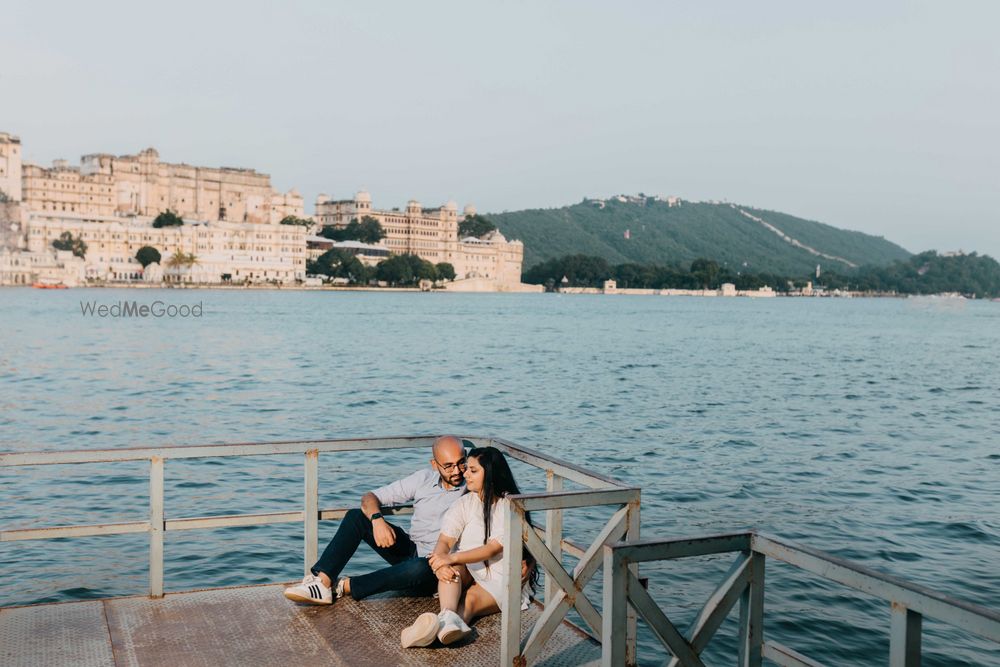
<point x="927" y="273"/>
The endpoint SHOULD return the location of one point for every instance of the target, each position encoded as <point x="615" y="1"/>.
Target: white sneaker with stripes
<point x="311" y="590"/>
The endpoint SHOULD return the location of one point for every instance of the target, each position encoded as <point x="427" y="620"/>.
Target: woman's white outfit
<point x="464" y="522"/>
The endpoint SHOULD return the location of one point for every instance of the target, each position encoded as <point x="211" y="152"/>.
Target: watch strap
<point x="377" y="515"/>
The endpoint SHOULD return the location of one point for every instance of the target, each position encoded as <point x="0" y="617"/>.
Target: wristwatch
<point x="377" y="515"/>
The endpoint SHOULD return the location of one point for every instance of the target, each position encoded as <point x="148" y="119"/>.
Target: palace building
<point x="142" y="185"/>
<point x="235" y="252"/>
<point x="231" y="230"/>
<point x="432" y="234"/>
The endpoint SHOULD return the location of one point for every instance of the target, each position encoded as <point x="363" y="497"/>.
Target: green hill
<point x="662" y="234"/>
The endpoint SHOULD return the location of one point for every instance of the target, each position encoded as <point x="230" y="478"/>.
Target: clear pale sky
<point x="882" y="117"/>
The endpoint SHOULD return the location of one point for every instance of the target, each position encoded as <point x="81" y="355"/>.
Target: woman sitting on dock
<point x="470" y="580"/>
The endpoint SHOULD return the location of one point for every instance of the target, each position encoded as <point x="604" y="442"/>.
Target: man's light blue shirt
<point x="430" y="501"/>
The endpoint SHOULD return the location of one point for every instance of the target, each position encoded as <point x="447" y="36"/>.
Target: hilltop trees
<point x="475" y="225"/>
<point x="167" y="219"/>
<point x="669" y="235"/>
<point x="67" y="241"/>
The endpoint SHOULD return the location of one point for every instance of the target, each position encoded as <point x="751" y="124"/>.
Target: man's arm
<point x="370" y="504"/>
<point x="399" y="492"/>
<point x="384" y="535"/>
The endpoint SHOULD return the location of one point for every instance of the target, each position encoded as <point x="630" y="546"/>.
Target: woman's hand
<point x="439" y="560"/>
<point x="446" y="573"/>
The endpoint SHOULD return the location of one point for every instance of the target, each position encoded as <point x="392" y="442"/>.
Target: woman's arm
<point x="444" y="545"/>
<point x="438" y="558"/>
<point x="479" y="554"/>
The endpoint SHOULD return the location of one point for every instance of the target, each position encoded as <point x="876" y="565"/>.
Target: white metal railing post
<point x="510" y="622"/>
<point x="904" y="639"/>
<point x="631" y="621"/>
<point x="156" y="527"/>
<point x="310" y="511"/>
<point x="615" y="609"/>
<point x="553" y="531"/>
<point x="751" y="642"/>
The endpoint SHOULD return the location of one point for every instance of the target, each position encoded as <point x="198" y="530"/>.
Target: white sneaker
<point x="311" y="590"/>
<point x="453" y="628"/>
<point x="422" y="632"/>
<point x="340" y="587"/>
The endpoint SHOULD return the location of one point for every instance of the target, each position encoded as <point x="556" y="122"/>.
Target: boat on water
<point x="41" y="285"/>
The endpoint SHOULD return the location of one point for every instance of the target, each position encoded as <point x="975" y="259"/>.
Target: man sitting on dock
<point x="432" y="491"/>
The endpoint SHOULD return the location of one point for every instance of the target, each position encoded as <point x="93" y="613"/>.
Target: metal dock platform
<point x="253" y="625"/>
<point x="256" y="625"/>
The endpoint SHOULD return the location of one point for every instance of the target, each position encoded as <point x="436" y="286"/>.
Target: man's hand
<point x="446" y="573"/>
<point x="385" y="536"/>
<point x="436" y="560"/>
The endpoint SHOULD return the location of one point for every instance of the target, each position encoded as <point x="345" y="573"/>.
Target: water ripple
<point x="874" y="436"/>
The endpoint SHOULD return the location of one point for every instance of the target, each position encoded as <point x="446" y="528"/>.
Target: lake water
<point x="867" y="428"/>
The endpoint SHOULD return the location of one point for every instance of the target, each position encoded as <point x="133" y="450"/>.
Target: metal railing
<point x="563" y="590"/>
<point x="744" y="582"/>
<point x="310" y="515"/>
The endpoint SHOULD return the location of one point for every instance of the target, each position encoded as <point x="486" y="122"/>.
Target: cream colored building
<point x="19" y="267"/>
<point x="242" y="251"/>
<point x="10" y="166"/>
<point x="108" y="185"/>
<point x="432" y="234"/>
<point x="492" y="257"/>
<point x="231" y="221"/>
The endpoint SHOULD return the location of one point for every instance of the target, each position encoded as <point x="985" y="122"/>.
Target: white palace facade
<point x="231" y="231"/>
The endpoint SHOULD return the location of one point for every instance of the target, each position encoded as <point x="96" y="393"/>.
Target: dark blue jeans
<point x="407" y="571"/>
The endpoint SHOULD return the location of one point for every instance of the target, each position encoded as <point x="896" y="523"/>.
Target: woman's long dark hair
<point x="498" y="482"/>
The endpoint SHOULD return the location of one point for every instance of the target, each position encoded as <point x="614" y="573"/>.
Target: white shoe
<point x="422" y="632"/>
<point x="311" y="590"/>
<point x="453" y="628"/>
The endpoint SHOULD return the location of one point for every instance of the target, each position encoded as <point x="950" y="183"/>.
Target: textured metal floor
<point x="253" y="625"/>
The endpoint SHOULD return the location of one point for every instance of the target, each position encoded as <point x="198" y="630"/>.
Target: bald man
<point x="432" y="491"/>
